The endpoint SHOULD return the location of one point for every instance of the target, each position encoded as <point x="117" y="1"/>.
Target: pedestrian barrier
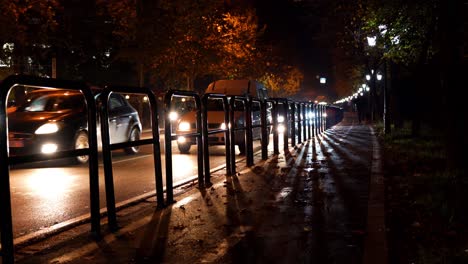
<point x="207" y="131"/>
<point x="239" y="127"/>
<point x="283" y="110"/>
<point x="300" y="120"/>
<point x="107" y="148"/>
<point x="6" y="226"/>
<point x="266" y="125"/>
<point x="169" y="137"/>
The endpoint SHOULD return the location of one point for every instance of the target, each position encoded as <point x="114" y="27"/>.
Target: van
<point x="186" y="123"/>
<point x="238" y="88"/>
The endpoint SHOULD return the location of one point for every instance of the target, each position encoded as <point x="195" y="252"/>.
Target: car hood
<point x="28" y="122"/>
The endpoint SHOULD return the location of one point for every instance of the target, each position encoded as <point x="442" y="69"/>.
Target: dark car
<point x="53" y="120"/>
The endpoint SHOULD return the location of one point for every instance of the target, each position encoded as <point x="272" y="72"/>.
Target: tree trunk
<point x="453" y="70"/>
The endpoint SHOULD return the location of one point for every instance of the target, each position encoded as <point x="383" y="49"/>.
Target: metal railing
<point x="169" y="137"/>
<point x="301" y="120"/>
<point x="6" y="226"/>
<point x="107" y="148"/>
<point x="207" y="132"/>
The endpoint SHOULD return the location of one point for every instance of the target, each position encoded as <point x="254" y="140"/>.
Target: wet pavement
<point x="309" y="205"/>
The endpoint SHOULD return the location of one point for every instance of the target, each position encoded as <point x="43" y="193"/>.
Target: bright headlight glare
<point x="184" y="126"/>
<point x="48" y="128"/>
<point x="280" y="118"/>
<point x="173" y="116"/>
<point x="281" y="129"/>
<point x="49" y="148"/>
<point x="223" y="126"/>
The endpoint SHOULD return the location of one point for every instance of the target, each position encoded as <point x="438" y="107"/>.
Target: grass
<point x="426" y="216"/>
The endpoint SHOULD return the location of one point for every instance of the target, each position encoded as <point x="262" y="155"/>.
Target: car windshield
<point x="53" y="102"/>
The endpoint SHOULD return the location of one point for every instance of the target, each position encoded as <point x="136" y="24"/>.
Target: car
<point x="215" y="114"/>
<point x="53" y="120"/>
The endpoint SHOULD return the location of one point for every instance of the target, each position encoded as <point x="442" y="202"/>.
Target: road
<point x="44" y="195"/>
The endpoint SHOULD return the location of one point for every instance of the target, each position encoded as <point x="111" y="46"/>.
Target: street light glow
<point x="368" y="77"/>
<point x="372" y="41"/>
<point x="323" y="80"/>
<point x="379" y="77"/>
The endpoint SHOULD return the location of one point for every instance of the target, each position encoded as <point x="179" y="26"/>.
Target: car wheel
<point x="134" y="136"/>
<point x="81" y="142"/>
<point x="184" y="148"/>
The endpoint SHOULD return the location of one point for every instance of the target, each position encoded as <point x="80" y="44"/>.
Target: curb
<point x="375" y="244"/>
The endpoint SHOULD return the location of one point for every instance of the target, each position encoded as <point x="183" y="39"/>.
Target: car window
<point x="115" y="101"/>
<point x="215" y="105"/>
<point x="53" y="103"/>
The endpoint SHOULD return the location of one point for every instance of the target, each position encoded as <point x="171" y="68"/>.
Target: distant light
<point x="323" y="80"/>
<point x="383" y="29"/>
<point x="368" y="77"/>
<point x="127" y="96"/>
<point x="145" y="99"/>
<point x="379" y="77"/>
<point x="372" y="41"/>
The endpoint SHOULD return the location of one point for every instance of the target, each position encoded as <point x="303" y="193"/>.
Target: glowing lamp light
<point x="379" y="77"/>
<point x="323" y="80"/>
<point x="368" y="77"/>
<point x="372" y="41"/>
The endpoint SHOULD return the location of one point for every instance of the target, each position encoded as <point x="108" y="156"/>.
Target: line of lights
<point x="360" y="92"/>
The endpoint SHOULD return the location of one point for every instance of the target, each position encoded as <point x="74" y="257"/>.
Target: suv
<point x="187" y="122"/>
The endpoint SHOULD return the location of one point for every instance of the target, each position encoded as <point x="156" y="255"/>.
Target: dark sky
<point x="300" y="28"/>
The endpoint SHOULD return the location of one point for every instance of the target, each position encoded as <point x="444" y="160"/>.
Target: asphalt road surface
<point x="47" y="194"/>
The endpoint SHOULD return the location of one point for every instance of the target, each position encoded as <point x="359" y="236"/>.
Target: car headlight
<point x="184" y="126"/>
<point x="281" y="129"/>
<point x="47" y="128"/>
<point x="173" y="116"/>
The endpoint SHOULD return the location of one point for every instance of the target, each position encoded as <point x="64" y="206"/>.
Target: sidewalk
<point x="306" y="206"/>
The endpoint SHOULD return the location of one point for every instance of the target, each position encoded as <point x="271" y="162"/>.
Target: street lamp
<point x="372" y="42"/>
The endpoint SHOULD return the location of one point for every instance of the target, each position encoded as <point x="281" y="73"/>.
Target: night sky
<point x="300" y="29"/>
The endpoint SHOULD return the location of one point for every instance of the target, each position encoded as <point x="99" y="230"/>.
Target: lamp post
<point x="372" y="42"/>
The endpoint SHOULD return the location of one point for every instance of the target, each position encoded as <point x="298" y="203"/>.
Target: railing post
<point x="275" y="128"/>
<point x="293" y="124"/>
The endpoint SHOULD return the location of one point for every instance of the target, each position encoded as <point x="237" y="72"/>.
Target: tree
<point x="285" y="83"/>
<point x="28" y="29"/>
<point x="424" y="39"/>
